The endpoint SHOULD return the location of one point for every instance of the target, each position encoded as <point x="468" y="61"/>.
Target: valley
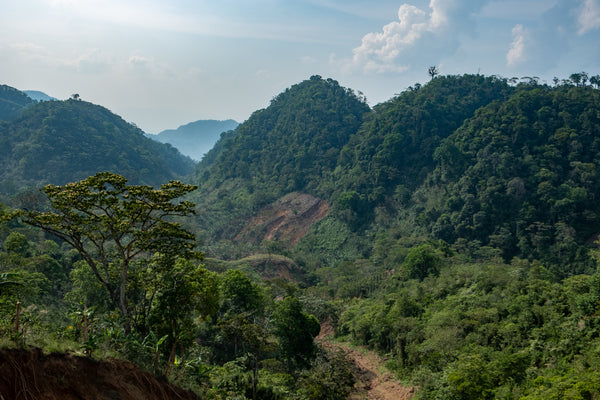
<point x="440" y="244"/>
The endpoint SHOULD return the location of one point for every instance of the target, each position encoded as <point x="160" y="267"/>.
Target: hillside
<point x="463" y="157"/>
<point x="396" y="144"/>
<point x="291" y="146"/>
<point x="286" y="220"/>
<point x="12" y="102"/>
<point x="522" y="176"/>
<point x="63" y="141"/>
<point x="196" y="138"/>
<point x="513" y="168"/>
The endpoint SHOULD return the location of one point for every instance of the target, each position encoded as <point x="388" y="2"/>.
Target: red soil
<point x="29" y="375"/>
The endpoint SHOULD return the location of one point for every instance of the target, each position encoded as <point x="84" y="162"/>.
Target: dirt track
<point x="374" y="383"/>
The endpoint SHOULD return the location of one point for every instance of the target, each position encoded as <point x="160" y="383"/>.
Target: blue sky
<point x="161" y="64"/>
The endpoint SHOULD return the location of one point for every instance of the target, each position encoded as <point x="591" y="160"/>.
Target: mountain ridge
<point x="400" y="161"/>
<point x="38" y="95"/>
<point x="63" y="141"/>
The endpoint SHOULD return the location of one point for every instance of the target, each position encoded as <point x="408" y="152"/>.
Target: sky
<point x="164" y="63"/>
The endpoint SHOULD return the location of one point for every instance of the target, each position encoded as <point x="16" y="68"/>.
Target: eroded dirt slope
<point x="33" y="375"/>
<point x="286" y="220"/>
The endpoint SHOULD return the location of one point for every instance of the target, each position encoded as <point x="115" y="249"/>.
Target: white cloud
<point x="28" y="50"/>
<point x="144" y="66"/>
<point x="379" y="51"/>
<point x="143" y="14"/>
<point x="418" y="33"/>
<point x="439" y="13"/>
<point x="93" y="61"/>
<point x="543" y="44"/>
<point x="140" y="62"/>
<point x="516" y="54"/>
<point x="589" y="16"/>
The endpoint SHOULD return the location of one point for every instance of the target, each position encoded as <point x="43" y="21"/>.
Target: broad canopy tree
<point x="118" y="229"/>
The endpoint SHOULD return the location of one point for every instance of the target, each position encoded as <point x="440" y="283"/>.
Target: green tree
<point x="178" y="294"/>
<point x="421" y="261"/>
<point x="239" y="294"/>
<point x="295" y="330"/>
<point x="330" y="377"/>
<point x="113" y="226"/>
<point x="433" y="71"/>
<point x="17" y="243"/>
<point x="470" y="379"/>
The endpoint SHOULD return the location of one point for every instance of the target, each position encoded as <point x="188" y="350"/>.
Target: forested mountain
<point x="196" y="138"/>
<point x="464" y="157"/>
<point x="462" y="233"/>
<point x="522" y="176"/>
<point x="295" y="142"/>
<point x="396" y="144"/>
<point x="514" y="168"/>
<point x="292" y="145"/>
<point x="63" y="141"/>
<point x="12" y="102"/>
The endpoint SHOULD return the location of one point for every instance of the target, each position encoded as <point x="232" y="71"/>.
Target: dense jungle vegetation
<point x="461" y="245"/>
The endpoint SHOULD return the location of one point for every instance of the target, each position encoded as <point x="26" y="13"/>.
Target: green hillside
<point x="462" y="158"/>
<point x="292" y="145"/>
<point x="396" y="144"/>
<point x="12" y="102"/>
<point x="522" y="176"/>
<point x="513" y="168"/>
<point x="63" y="141"/>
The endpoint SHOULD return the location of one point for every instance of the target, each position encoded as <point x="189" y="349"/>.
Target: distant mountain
<point x="38" y="96"/>
<point x="64" y="141"/>
<point x="12" y="102"/>
<point x="196" y="138"/>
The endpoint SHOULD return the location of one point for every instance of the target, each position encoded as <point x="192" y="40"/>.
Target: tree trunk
<point x="171" y="359"/>
<point x="17" y="316"/>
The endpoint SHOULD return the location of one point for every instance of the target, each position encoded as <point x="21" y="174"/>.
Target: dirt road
<point x="375" y="382"/>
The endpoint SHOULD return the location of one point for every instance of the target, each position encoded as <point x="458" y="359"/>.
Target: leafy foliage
<point x="396" y="144"/>
<point x="295" y="330"/>
<point x="118" y="228"/>
<point x="483" y="330"/>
